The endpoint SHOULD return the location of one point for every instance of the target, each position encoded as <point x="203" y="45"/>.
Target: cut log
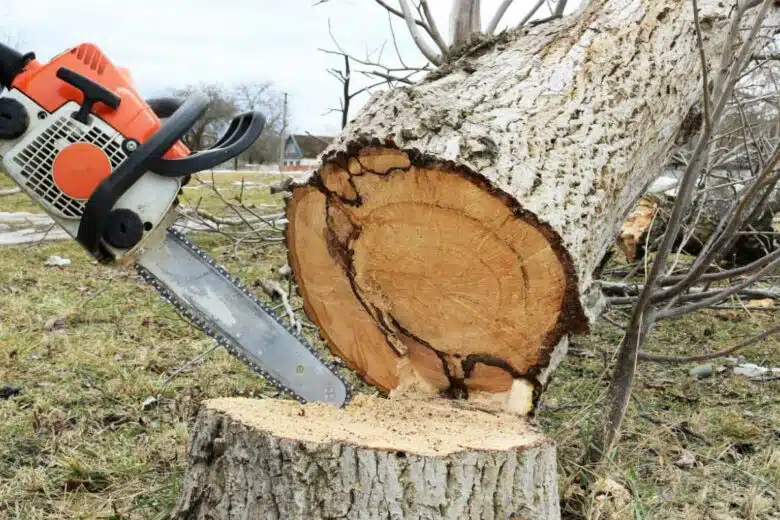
<point x="634" y="232"/>
<point x="377" y="459"/>
<point x="448" y="241"/>
<point x="420" y="263"/>
<point x="637" y="234"/>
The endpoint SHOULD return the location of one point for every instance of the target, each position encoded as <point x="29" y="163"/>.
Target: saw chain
<point x="184" y="311"/>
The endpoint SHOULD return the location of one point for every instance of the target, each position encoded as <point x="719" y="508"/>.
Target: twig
<point x="426" y="50"/>
<point x="629" y="293"/>
<point x="226" y="221"/>
<point x="706" y="302"/>
<point x="644" y="356"/>
<point x="275" y="290"/>
<point x="491" y="28"/>
<point x="188" y="364"/>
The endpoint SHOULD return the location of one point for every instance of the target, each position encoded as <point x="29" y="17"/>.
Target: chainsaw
<point x="108" y="166"/>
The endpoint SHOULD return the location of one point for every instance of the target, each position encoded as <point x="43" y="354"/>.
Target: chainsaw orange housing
<point x="134" y="119"/>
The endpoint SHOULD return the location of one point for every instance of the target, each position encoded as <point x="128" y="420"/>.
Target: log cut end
<point x="377" y="458"/>
<point x="423" y="276"/>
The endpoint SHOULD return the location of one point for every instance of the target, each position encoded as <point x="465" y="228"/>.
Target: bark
<point x="531" y="149"/>
<point x="377" y="459"/>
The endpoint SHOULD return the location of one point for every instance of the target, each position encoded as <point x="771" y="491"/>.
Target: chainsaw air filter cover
<point x="52" y="147"/>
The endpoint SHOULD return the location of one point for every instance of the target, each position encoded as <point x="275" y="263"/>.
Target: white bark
<point x="242" y="465"/>
<point x="574" y="119"/>
<point x="465" y="21"/>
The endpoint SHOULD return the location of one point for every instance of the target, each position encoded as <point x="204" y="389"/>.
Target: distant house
<point x="302" y="150"/>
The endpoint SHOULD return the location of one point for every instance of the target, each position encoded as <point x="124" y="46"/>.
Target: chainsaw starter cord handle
<point x="111" y="189"/>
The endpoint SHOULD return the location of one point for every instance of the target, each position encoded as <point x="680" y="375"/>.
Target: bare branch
<point x="491" y="29"/>
<point x="644" y="356"/>
<point x="434" y="30"/>
<point x="531" y="13"/>
<point x="274" y="289"/>
<point x="560" y="8"/>
<point x="704" y="80"/>
<point x="476" y="17"/>
<point x="461" y="21"/>
<point x="427" y="51"/>
<point x="731" y="273"/>
<point x="401" y="15"/>
<point x="685" y="309"/>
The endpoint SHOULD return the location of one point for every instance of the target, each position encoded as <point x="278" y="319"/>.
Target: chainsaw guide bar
<point x="212" y="329"/>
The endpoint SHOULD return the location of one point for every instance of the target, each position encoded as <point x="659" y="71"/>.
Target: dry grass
<point x="89" y="346"/>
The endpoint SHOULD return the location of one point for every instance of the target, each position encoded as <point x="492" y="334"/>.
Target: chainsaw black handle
<point x="12" y="63"/>
<point x="244" y="130"/>
<point x="111" y="189"/>
<point x="164" y="107"/>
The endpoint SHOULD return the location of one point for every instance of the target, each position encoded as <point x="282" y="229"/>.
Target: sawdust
<point x="433" y="427"/>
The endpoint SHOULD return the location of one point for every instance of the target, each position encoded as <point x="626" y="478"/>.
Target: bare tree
<point x="656" y="300"/>
<point x="225" y="102"/>
<point x="360" y="76"/>
<point x="264" y="97"/>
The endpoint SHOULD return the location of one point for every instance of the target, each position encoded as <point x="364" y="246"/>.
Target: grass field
<point x="99" y="429"/>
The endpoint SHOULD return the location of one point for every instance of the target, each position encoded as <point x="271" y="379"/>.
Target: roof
<point x="311" y="146"/>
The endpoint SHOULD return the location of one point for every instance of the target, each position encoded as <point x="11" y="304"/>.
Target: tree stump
<point x="376" y="459"/>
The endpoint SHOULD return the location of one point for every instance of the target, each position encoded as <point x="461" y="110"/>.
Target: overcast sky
<point x="172" y="43"/>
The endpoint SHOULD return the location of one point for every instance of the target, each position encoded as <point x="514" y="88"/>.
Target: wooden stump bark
<point x="377" y="459"/>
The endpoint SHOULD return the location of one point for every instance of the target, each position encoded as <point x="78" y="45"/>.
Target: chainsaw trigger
<point x="242" y="133"/>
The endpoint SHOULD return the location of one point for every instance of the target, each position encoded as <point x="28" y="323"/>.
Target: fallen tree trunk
<point x="448" y="242"/>
<point x="378" y="459"/>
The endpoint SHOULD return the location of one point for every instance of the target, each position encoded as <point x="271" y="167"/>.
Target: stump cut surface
<point x="403" y="261"/>
<point x="413" y="426"/>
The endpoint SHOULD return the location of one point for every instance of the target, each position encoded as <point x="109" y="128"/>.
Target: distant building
<point x="302" y="150"/>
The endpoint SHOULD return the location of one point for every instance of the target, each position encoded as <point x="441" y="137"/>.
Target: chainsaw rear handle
<point x="244" y="130"/>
